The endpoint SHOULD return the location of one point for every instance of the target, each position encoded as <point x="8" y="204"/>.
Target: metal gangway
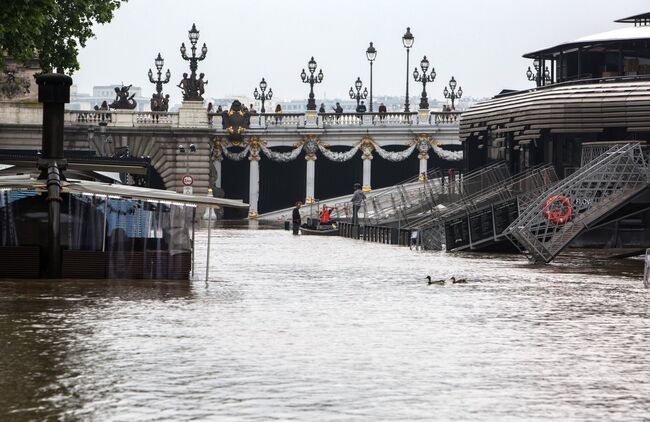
<point x="481" y="218"/>
<point x="609" y="178"/>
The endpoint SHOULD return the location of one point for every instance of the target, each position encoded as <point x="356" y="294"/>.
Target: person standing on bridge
<point x="295" y="217"/>
<point x="357" y="200"/>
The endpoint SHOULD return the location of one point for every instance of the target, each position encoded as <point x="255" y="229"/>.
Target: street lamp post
<point x="263" y="96"/>
<point x="424" y="78"/>
<point x="158" y="102"/>
<point x="192" y="87"/>
<point x="371" y="54"/>
<point x="359" y="95"/>
<point x="311" y="80"/>
<point x="453" y="95"/>
<point x="407" y="40"/>
<point x="540" y="77"/>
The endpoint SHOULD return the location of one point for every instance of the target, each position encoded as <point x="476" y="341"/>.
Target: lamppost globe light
<point x="204" y="49"/>
<point x="150" y="75"/>
<point x="262" y="85"/>
<point x="365" y="92"/>
<point x="460" y="92"/>
<point x="358" y="83"/>
<point x="433" y="74"/>
<point x="424" y="64"/>
<point x="183" y="49"/>
<point x="256" y="94"/>
<point x="371" y="53"/>
<point x="416" y="74"/>
<point x="168" y="74"/>
<point x="452" y="83"/>
<point x="446" y="92"/>
<point x="193" y="34"/>
<point x="320" y="75"/>
<point x="159" y="62"/>
<point x="312" y="65"/>
<point x="351" y="93"/>
<point x="407" y="38"/>
<point x="270" y="94"/>
<point x="303" y="75"/>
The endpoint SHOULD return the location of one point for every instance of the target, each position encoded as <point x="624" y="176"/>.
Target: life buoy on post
<point x="558" y="209"/>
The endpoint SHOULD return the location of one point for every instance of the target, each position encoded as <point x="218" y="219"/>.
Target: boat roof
<point x="122" y="191"/>
<point x="623" y="34"/>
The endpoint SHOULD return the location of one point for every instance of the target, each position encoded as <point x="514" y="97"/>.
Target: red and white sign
<point x="188" y="180"/>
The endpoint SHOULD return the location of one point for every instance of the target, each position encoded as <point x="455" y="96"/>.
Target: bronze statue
<point x="193" y="89"/>
<point x="122" y="99"/>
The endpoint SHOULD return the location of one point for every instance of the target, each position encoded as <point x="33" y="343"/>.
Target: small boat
<point x="324" y="230"/>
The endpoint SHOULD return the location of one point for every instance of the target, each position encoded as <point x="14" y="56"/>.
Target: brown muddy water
<point x="320" y="329"/>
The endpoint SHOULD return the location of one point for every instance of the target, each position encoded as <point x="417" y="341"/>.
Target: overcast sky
<point x="479" y="42"/>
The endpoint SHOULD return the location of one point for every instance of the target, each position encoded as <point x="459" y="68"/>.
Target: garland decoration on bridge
<point x="395" y="156"/>
<point x="447" y="155"/>
<point x="339" y="157"/>
<point x="281" y="157"/>
<point x="310" y="144"/>
<point x="235" y="156"/>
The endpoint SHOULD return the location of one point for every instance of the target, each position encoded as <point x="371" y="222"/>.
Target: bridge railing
<point x="121" y="118"/>
<point x="129" y="118"/>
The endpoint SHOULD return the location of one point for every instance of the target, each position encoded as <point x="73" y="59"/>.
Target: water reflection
<point x="332" y="329"/>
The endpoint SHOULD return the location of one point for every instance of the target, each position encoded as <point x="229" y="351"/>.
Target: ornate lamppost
<point x="424" y="78"/>
<point x="359" y="95"/>
<point x="371" y="55"/>
<point x="538" y="74"/>
<point x="263" y="96"/>
<point x="407" y="40"/>
<point x="311" y="80"/>
<point x="192" y="87"/>
<point x="453" y="95"/>
<point x="158" y="102"/>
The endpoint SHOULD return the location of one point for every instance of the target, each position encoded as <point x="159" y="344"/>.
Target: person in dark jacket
<point x="361" y="108"/>
<point x="357" y="200"/>
<point x="322" y="108"/>
<point x="295" y="218"/>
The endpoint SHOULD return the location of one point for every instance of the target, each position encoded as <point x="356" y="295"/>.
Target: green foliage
<point x="51" y="30"/>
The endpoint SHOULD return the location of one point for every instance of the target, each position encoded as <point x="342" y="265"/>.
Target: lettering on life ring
<point x="558" y="209"/>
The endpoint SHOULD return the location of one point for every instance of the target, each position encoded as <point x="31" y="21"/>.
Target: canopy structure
<point x="121" y="191"/>
<point x="621" y="52"/>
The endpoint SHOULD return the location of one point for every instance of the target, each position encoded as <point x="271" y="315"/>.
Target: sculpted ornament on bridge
<point x="122" y="99"/>
<point x="236" y="121"/>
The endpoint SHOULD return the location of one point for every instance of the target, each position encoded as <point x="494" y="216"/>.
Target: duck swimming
<point x="438" y="282"/>
<point x="450" y="280"/>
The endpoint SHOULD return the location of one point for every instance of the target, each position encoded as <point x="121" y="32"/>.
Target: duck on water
<point x="450" y="280"/>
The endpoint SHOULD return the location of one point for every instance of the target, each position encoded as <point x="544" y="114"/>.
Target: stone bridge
<point x="406" y="140"/>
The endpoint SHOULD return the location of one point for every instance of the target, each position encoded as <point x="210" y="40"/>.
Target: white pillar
<point x="366" y="174"/>
<point x="254" y="186"/>
<point x="217" y="171"/>
<point x="311" y="178"/>
<point x="423" y="165"/>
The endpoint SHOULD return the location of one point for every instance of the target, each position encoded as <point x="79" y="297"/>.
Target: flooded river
<point x="300" y="328"/>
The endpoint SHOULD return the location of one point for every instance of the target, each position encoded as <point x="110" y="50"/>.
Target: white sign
<point x="188" y="180"/>
<point x="187" y="190"/>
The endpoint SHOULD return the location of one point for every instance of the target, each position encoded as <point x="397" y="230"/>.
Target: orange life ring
<point x="555" y="215"/>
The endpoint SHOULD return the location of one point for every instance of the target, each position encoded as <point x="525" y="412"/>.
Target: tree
<point x="51" y="30"/>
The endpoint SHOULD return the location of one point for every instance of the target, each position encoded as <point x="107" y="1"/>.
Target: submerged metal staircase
<point x="606" y="181"/>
